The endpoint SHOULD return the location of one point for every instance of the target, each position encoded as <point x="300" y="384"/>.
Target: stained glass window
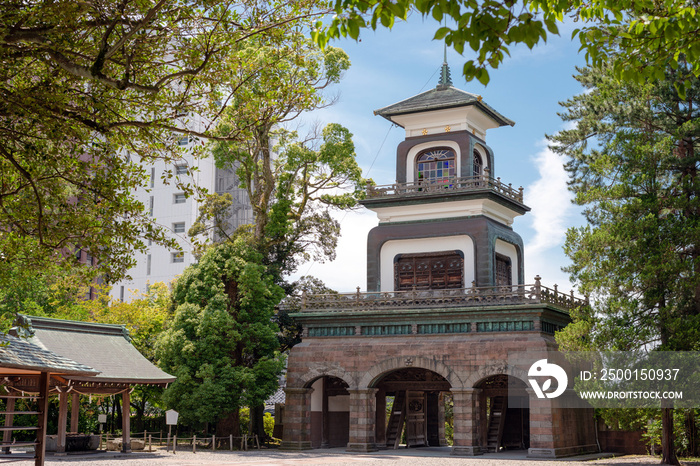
<point x="436" y="165"/>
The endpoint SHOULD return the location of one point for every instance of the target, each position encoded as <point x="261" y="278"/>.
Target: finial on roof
<point x="445" y="79"/>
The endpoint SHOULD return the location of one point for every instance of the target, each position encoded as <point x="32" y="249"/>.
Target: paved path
<point x="337" y="457"/>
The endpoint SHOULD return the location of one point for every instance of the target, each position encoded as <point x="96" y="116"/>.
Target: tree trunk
<point x="229" y="425"/>
<point x="118" y="410"/>
<point x="257" y="423"/>
<point x="667" y="449"/>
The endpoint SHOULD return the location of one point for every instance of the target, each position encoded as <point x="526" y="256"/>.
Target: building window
<point x="503" y="271"/>
<point x="150" y="206"/>
<point x="148" y="264"/>
<point x="181" y="169"/>
<point x="121" y="293"/>
<point x="153" y="176"/>
<point x="478" y="166"/>
<point x="436" y="165"/>
<point x="183" y="141"/>
<point x="179" y="198"/>
<point x="179" y="227"/>
<point x="429" y="271"/>
<point x="178" y="257"/>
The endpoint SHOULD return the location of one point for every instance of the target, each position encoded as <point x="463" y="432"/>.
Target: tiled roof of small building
<point x="16" y="353"/>
<point x="105" y="347"/>
<point x="439" y="98"/>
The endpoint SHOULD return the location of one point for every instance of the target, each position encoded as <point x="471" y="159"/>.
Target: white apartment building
<point x="172" y="210"/>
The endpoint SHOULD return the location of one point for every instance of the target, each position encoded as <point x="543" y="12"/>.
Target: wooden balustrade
<point x="446" y="185"/>
<point x="473" y="296"/>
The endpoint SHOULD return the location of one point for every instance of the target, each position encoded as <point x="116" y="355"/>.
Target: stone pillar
<point x="441" y="419"/>
<point x="380" y="421"/>
<point x="74" y="412"/>
<point x="297" y="419"/>
<point x="363" y="420"/>
<point x="62" y="422"/>
<point x="466" y="422"/>
<point x="126" y="422"/>
<point x="541" y="427"/>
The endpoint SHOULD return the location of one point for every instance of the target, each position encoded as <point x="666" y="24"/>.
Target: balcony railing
<point x="445" y="186"/>
<point x="464" y="297"/>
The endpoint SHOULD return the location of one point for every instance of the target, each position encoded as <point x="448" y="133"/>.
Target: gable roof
<point x="105" y="347"/>
<point x="18" y="355"/>
<point x="440" y="98"/>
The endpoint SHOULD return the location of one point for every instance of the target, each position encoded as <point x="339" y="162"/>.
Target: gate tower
<point x="445" y="312"/>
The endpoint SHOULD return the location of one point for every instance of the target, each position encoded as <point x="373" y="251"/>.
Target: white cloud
<point x="550" y="201"/>
<point x="349" y="269"/>
<point x="552" y="213"/>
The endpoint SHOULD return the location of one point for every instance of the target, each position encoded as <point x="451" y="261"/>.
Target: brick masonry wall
<point x="463" y="359"/>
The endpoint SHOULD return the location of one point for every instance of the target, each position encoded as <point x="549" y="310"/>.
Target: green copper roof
<point x="444" y="96"/>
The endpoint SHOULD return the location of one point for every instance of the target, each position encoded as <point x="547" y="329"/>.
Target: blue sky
<point x="392" y="65"/>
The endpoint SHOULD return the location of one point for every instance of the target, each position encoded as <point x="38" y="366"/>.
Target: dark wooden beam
<point x="43" y="408"/>
<point x="415" y="386"/>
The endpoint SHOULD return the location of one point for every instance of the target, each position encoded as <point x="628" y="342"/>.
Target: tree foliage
<point x="222" y="344"/>
<point x="640" y="37"/>
<point x="633" y="162"/>
<point x="292" y="184"/>
<point x="87" y="87"/>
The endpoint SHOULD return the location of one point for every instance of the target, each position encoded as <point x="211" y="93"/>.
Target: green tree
<point x="633" y="161"/>
<point x="222" y="343"/>
<point x="88" y="88"/>
<point x="640" y="37"/>
<point x="292" y="184"/>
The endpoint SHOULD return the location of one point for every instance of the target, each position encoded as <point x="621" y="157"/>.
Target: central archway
<point x="410" y="401"/>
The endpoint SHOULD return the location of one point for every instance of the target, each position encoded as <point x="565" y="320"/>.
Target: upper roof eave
<point x="441" y="98"/>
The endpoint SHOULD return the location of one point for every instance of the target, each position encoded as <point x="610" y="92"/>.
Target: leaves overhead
<point x="640" y="37"/>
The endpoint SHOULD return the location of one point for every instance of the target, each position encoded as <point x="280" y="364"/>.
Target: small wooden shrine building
<point x="104" y="347"/>
<point x="20" y="359"/>
<point x="447" y="312"/>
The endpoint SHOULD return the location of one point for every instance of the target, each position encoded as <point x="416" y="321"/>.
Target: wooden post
<point x="174" y="444"/>
<point x="149" y="444"/>
<point x="74" y="412"/>
<point x="9" y="419"/>
<point x="42" y="408"/>
<point x="324" y="411"/>
<point x="62" y="422"/>
<point x="230" y="438"/>
<point x="167" y="443"/>
<point x="213" y="443"/>
<point x="194" y="443"/>
<point x="126" y="423"/>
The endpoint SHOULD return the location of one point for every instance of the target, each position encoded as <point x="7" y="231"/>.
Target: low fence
<point x="212" y="443"/>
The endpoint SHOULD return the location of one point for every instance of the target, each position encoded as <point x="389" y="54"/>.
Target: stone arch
<point x="314" y="374"/>
<point x="496" y="368"/>
<point x="372" y="376"/>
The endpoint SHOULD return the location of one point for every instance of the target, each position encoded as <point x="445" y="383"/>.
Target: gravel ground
<point x="335" y="457"/>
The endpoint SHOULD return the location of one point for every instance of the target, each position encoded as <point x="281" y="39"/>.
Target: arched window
<point x="436" y="165"/>
<point x="478" y="164"/>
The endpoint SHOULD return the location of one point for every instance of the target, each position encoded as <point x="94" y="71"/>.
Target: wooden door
<point x="416" y="426"/>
